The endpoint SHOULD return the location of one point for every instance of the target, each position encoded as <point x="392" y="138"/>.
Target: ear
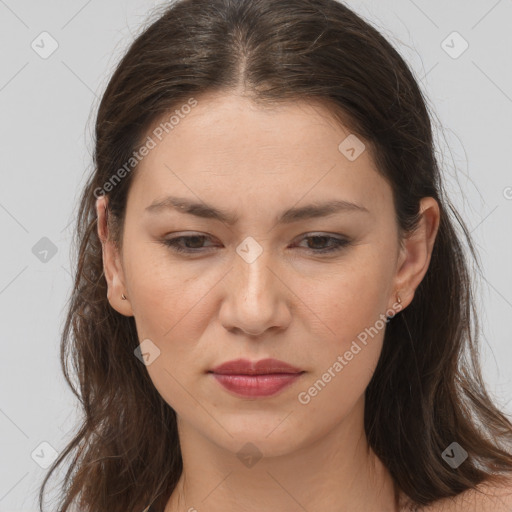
<point x="414" y="257"/>
<point x="112" y="266"/>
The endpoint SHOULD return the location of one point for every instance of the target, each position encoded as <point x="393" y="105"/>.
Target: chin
<point x="264" y="438"/>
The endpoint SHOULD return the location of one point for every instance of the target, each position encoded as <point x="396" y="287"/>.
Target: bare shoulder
<point x="488" y="497"/>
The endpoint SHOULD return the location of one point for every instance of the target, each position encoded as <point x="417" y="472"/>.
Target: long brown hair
<point x="427" y="390"/>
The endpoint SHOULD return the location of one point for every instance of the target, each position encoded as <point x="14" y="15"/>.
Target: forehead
<point x="228" y="148"/>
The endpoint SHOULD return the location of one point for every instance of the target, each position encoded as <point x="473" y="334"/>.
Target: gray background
<point x="48" y="107"/>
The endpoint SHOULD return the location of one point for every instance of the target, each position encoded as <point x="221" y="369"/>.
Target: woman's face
<point x="258" y="287"/>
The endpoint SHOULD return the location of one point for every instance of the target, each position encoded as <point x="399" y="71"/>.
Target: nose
<point x="255" y="299"/>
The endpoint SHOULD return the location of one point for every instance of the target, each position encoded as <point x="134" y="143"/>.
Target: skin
<point x="289" y="303"/>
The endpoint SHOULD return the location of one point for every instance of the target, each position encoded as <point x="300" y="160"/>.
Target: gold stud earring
<point x="398" y="299"/>
<point x="123" y="297"/>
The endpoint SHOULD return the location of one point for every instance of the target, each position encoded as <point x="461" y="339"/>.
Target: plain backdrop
<point x="47" y="105"/>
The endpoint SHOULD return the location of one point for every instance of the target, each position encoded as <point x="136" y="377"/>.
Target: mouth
<point x="263" y="378"/>
<point x="262" y="367"/>
<point x="260" y="385"/>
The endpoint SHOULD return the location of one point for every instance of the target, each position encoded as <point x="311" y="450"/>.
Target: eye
<point x="337" y="243"/>
<point x="196" y="241"/>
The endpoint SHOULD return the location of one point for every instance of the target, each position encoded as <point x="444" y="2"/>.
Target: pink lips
<point x="262" y="378"/>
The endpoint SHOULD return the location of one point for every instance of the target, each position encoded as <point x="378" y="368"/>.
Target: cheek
<point x="173" y="307"/>
<point x="346" y="357"/>
<point x="351" y="305"/>
<point x="170" y="309"/>
<point x="161" y="292"/>
<point x="352" y="298"/>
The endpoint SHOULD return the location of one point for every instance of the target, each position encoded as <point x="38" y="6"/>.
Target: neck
<point x="336" y="472"/>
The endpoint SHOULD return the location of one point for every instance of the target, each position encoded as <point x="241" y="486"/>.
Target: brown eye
<point x="321" y="240"/>
<point x="317" y="244"/>
<point x="193" y="243"/>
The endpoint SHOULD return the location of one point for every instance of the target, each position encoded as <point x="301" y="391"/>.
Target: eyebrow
<point x="203" y="210"/>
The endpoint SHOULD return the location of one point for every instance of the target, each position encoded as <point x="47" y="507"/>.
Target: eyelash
<point x="340" y="244"/>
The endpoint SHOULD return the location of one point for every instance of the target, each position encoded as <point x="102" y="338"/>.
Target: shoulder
<point x="487" y="497"/>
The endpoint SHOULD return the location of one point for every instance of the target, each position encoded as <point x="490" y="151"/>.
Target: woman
<point x="272" y="307"/>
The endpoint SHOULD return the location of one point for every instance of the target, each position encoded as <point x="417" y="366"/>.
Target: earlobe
<point x="112" y="266"/>
<point x="417" y="250"/>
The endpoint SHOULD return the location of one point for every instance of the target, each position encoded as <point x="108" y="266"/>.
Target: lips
<point x="256" y="386"/>
<point x="262" y="367"/>
<point x="259" y="379"/>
